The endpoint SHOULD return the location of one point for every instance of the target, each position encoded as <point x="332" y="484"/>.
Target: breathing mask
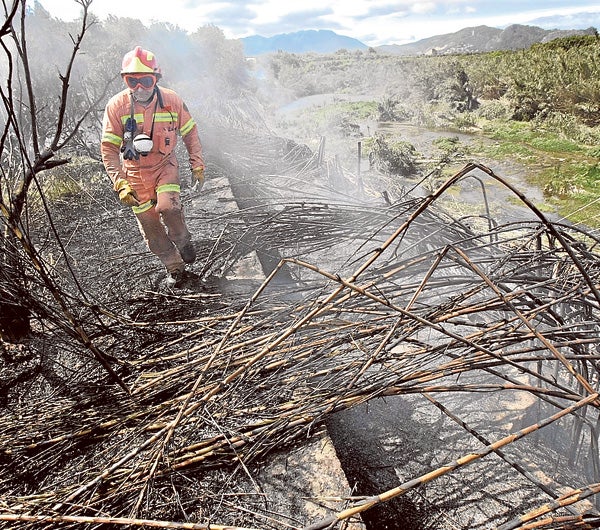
<point x="143" y="144"/>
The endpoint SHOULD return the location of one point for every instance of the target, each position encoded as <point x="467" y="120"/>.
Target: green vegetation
<point x="539" y="107"/>
<point x="75" y="178"/>
<point x="344" y="116"/>
<point x="391" y="157"/>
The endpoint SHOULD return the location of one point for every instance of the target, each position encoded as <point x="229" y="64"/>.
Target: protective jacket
<point x="163" y="118"/>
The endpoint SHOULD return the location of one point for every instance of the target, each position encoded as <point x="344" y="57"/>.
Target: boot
<point x="188" y="253"/>
<point x="175" y="278"/>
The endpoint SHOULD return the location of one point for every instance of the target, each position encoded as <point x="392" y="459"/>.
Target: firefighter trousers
<point x="164" y="230"/>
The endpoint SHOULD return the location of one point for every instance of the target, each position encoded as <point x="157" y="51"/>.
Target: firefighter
<point x="139" y="134"/>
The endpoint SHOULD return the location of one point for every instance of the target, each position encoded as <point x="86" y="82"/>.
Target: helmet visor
<point x="145" y="81"/>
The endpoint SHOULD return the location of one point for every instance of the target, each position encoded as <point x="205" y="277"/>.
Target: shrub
<point x="392" y="158"/>
<point x="387" y="110"/>
<point x="70" y="179"/>
<point x="447" y="144"/>
<point x="570" y="127"/>
<point x="494" y="110"/>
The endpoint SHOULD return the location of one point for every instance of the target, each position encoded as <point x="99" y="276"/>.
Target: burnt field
<point x="453" y="359"/>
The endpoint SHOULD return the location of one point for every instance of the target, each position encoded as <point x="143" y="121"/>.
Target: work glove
<point x="198" y="178"/>
<point x="126" y="193"/>
<point x="129" y="151"/>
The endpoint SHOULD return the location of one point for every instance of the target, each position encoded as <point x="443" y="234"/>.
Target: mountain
<point x="482" y="39"/>
<point x="318" y="41"/>
<point x="468" y="40"/>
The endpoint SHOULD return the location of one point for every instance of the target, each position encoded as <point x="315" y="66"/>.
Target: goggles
<point x="145" y="81"/>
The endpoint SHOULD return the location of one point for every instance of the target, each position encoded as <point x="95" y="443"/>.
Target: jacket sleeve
<point x="189" y="134"/>
<point x="110" y="146"/>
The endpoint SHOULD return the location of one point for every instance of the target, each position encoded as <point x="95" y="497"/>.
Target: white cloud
<point x="398" y="21"/>
<point x="421" y="8"/>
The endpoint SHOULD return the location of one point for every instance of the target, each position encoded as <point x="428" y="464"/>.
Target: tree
<point x="34" y="131"/>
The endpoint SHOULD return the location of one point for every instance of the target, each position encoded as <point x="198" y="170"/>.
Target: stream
<point x="497" y="201"/>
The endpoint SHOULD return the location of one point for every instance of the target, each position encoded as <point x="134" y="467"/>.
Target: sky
<point x="373" y="22"/>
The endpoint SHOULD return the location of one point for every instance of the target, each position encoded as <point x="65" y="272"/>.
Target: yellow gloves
<point x="126" y="193"/>
<point x="198" y="176"/>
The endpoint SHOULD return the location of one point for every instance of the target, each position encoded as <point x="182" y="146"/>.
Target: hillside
<point x="482" y="39"/>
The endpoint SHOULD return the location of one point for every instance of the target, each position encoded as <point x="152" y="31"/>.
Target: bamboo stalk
<point x="451" y="466"/>
<point x="120" y="521"/>
<point x="564" y="500"/>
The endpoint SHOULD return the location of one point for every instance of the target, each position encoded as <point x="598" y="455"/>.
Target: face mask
<point x="142" y="96"/>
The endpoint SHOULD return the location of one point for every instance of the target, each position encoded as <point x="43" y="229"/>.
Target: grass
<point x="566" y="170"/>
<point x="530" y="135"/>
<point x="564" y="167"/>
<point x="80" y="176"/>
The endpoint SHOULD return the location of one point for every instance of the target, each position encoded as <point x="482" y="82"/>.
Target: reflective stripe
<point x="112" y="138"/>
<point x="144" y="207"/>
<point x="187" y="127"/>
<point x="139" y="118"/>
<point x="164" y="188"/>
<point x="165" y="116"/>
<point x="158" y="117"/>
